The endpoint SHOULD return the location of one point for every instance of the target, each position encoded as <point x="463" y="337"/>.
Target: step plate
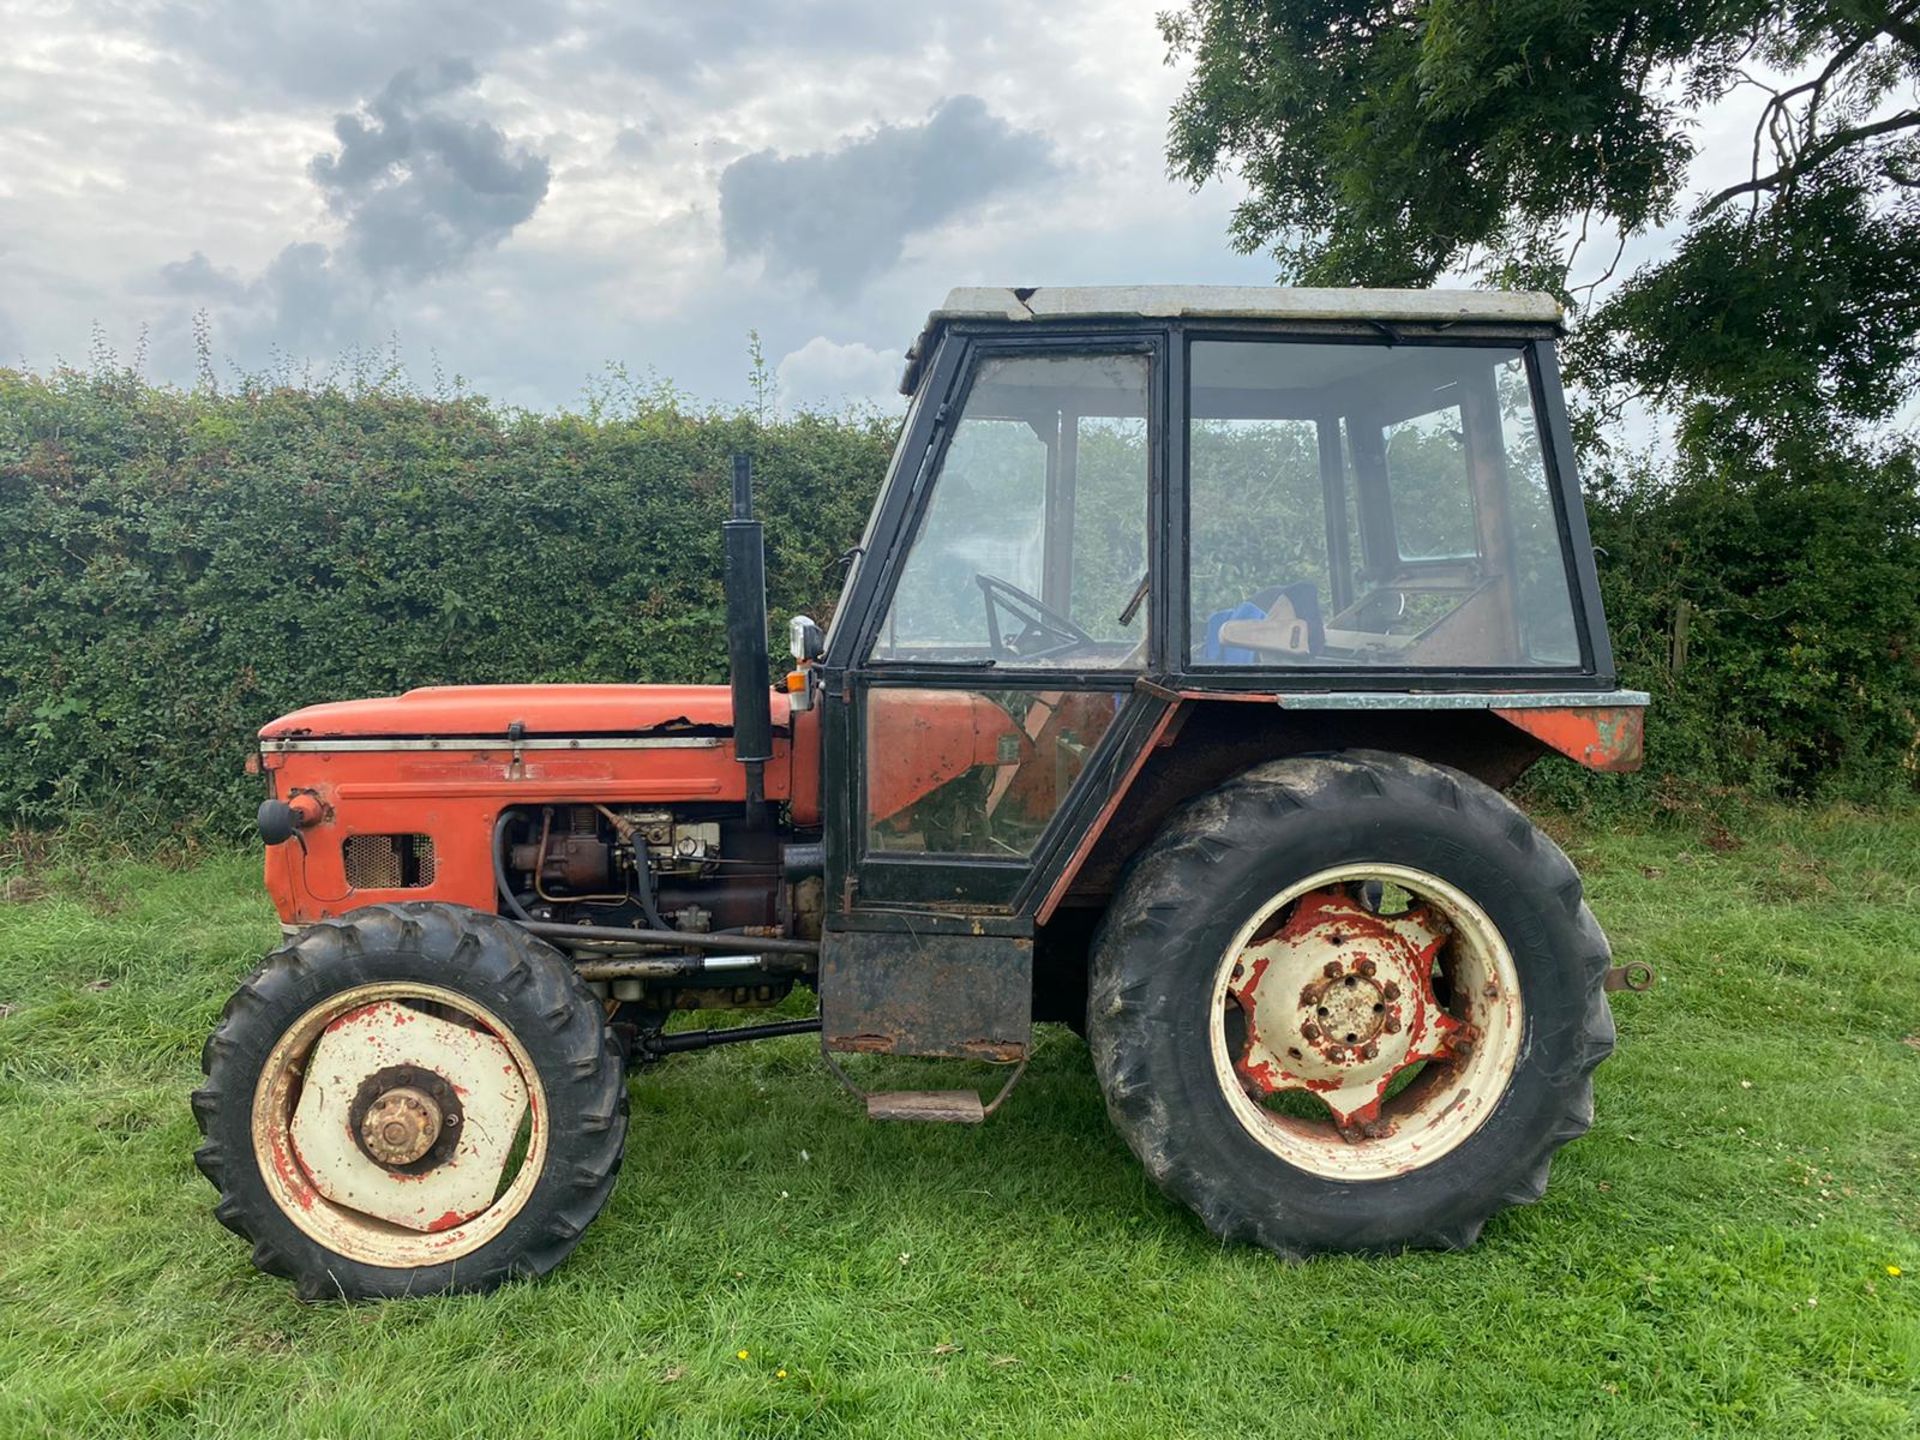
<point x="947" y="1107"/>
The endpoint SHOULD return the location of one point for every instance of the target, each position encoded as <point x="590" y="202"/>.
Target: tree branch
<point x="1812" y="157"/>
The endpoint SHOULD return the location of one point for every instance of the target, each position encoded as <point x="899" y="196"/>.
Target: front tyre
<point x="1350" y="1002"/>
<point x="409" y="1100"/>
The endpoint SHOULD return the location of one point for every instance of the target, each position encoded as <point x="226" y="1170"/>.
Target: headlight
<point x="804" y="638"/>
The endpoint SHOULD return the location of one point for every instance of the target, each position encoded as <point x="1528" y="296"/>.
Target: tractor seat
<point x="1280" y="620"/>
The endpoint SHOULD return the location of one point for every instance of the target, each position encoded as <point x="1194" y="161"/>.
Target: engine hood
<point x="486" y="711"/>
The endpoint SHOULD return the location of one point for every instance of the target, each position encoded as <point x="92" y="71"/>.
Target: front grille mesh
<point x="388" y="862"/>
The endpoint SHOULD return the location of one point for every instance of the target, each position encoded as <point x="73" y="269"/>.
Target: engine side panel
<point x="452" y="792"/>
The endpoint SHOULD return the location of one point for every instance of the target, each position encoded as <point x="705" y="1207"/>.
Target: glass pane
<point x="1258" y="521"/>
<point x="1035" y="539"/>
<point x="975" y="772"/>
<point x="1429" y="487"/>
<point x="1362" y="504"/>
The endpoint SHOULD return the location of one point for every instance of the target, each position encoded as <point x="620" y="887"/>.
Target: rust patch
<point x="1608" y="738"/>
<point x="994" y="1050"/>
<point x="1347" y="1030"/>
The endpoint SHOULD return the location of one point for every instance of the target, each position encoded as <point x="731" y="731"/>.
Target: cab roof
<point x="1227" y="302"/>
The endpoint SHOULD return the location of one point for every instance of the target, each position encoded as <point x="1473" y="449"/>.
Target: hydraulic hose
<point x="643" y="879"/>
<point x="500" y="868"/>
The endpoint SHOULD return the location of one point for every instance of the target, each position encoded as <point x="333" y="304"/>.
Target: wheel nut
<point x="1309" y="1031"/>
<point x="1370" y="1052"/>
<point x="1390" y="991"/>
<point x="1331" y="969"/>
<point x="1337" y="1053"/>
<point x="1392" y="1025"/>
<point x="1367" y="967"/>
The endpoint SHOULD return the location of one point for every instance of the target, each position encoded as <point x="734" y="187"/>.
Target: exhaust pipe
<point x="746" y="586"/>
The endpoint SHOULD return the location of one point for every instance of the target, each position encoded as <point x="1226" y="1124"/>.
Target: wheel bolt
<point x="1331" y="969"/>
<point x="1390" y="991"/>
<point x="1337" y="1054"/>
<point x="1370" y="1052"/>
<point x="1392" y="1027"/>
<point x="1309" y="1031"/>
<point x="1367" y="967"/>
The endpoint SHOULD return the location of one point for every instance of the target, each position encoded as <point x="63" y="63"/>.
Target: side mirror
<point x="806" y="640"/>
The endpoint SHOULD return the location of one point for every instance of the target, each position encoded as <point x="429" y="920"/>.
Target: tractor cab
<point x="1114" y="514"/>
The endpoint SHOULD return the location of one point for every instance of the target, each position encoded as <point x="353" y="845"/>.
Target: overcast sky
<point x="524" y="191"/>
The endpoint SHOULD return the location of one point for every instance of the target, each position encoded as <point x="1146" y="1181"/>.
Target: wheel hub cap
<point x="400" y="1126"/>
<point x="427" y="1149"/>
<point x="1339" y="1002"/>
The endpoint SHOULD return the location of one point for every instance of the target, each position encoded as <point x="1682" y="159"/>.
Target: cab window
<point x="1032" y="552"/>
<point x="1371" y="505"/>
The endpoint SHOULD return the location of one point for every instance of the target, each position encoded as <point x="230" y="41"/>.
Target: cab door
<point x="1005" y="628"/>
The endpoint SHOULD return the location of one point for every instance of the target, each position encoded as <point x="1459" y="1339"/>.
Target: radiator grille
<point x="388" y="862"/>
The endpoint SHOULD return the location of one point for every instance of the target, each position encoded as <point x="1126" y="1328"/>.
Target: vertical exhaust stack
<point x="746" y="584"/>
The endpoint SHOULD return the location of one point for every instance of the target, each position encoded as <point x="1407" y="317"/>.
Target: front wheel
<point x="1350" y="1002"/>
<point x="412" y="1099"/>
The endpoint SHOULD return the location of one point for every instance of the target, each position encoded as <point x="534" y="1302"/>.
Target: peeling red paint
<point x="1362" y="1006"/>
<point x="1606" y="738"/>
<point x="352" y="1017"/>
<point x="445" y="1222"/>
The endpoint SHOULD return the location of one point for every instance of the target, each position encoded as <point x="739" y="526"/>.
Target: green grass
<point x="1713" y="1257"/>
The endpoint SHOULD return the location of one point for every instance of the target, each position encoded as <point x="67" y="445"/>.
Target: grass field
<point x="1723" y="1253"/>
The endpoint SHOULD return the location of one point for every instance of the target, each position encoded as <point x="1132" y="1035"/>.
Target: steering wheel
<point x="1042" y="631"/>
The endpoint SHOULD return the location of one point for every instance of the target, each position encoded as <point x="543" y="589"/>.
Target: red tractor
<point x="1171" y="695"/>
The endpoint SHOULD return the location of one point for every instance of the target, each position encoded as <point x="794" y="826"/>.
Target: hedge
<point x="178" y="567"/>
<point x="181" y="567"/>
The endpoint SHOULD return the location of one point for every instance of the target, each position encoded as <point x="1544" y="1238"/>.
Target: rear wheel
<point x="1350" y="1003"/>
<point x="415" y="1098"/>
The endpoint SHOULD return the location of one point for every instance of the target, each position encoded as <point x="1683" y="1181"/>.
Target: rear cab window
<point x="1367" y="505"/>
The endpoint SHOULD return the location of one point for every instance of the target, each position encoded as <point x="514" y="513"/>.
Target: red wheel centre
<point x="1340" y="1001"/>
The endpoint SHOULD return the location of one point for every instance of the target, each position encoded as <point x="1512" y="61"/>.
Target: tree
<point x="1392" y="142"/>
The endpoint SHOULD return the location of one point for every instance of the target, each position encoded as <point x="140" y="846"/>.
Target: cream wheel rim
<point x="385" y="1120"/>
<point x="1366" y="1021"/>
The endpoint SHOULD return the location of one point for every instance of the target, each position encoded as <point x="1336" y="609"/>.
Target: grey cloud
<point x="841" y="217"/>
<point x="301" y="299"/>
<point x="331" y="50"/>
<point x="421" y="186"/>
<point x="635" y="142"/>
<point x="199" y="277"/>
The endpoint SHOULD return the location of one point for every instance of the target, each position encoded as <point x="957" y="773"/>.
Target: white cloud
<point x="826" y="375"/>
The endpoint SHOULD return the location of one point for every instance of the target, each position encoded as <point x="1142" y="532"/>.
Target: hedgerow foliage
<point x="1770" y="602"/>
<point x="178" y="567"/>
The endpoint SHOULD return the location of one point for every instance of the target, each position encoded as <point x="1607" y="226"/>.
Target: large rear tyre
<point x="1350" y="1003"/>
<point x="409" y="1100"/>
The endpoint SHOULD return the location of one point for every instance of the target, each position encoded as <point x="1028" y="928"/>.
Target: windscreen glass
<point x="1032" y="552"/>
